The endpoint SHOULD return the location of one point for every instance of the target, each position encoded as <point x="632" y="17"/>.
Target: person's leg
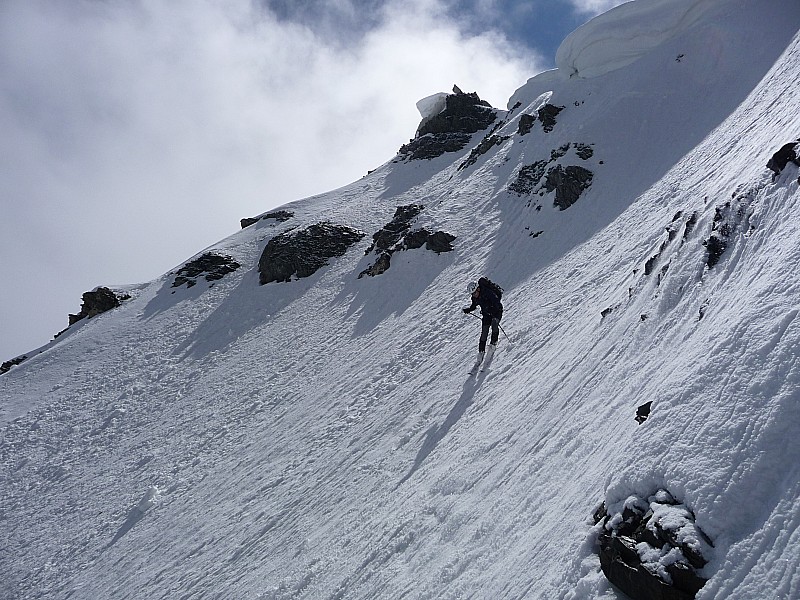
<point x="495" y="332"/>
<point x="484" y="335"/>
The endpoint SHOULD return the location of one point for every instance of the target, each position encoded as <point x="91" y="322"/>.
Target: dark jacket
<point x="491" y="307"/>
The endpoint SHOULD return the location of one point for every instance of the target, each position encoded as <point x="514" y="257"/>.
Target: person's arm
<point x="471" y="307"/>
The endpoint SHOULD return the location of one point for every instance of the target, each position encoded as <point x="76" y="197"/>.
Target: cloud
<point x="137" y="133"/>
<point x="595" y="7"/>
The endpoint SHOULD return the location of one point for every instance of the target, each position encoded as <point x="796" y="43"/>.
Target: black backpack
<point x="485" y="282"/>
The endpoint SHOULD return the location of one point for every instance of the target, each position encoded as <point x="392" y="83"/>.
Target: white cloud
<point x="135" y="134"/>
<point x="595" y="7"/>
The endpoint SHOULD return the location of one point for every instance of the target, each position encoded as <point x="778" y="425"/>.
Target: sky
<point x="136" y="133"/>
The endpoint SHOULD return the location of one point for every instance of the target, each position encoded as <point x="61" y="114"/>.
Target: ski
<point x="476" y="367"/>
<point x="487" y="362"/>
<point x="483" y="362"/>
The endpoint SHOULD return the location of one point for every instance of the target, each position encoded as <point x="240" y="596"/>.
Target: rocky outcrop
<point x="487" y="143"/>
<point x="525" y="124"/>
<point x="398" y="235"/>
<point x="643" y="410"/>
<point x="391" y="233"/>
<point x="728" y="219"/>
<point x="379" y="267"/>
<point x="279" y="216"/>
<point x="547" y="116"/>
<point x="528" y="178"/>
<point x="7" y="366"/>
<point x="96" y="302"/>
<point x="789" y="153"/>
<point x="432" y="146"/>
<point x="212" y="267"/>
<point x="301" y="253"/>
<point x="652" y="549"/>
<point x="568" y="182"/>
<point x="450" y="130"/>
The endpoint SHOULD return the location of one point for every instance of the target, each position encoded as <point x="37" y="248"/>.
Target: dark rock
<point x="559" y="152"/>
<point x="584" y="151"/>
<point x="685" y="578"/>
<point x="301" y="253"/>
<point x="396" y="235"/>
<point x="648" y="266"/>
<point x="600" y="513"/>
<point x="279" y="215"/>
<point x="96" y="302"/>
<point x="463" y="113"/>
<point x="433" y="146"/>
<point x="486" y="144"/>
<point x="528" y="178"/>
<point x="569" y="183"/>
<point x="728" y="218"/>
<point x="643" y="411"/>
<point x="212" y="267"/>
<point x="451" y="129"/>
<point x="381" y="266"/>
<point x="547" y="116"/>
<point x="788" y="153"/>
<point x="715" y="247"/>
<point x="636" y="581"/>
<point x="415" y="239"/>
<point x="525" y="124"/>
<point x="393" y="231"/>
<point x="570" y="180"/>
<point x="6" y="366"/>
<point x="440" y="241"/>
<point x="637" y="533"/>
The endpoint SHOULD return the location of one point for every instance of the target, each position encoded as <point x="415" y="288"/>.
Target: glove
<point x="467" y="310"/>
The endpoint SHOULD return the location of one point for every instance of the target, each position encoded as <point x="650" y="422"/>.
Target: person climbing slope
<point x="487" y="295"/>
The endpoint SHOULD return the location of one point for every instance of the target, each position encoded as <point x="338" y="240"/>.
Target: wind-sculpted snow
<point x="320" y="438"/>
<point x="624" y="34"/>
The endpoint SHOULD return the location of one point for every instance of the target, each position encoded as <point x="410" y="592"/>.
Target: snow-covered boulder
<point x="652" y="549"/>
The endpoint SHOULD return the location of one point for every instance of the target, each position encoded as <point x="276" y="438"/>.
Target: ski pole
<point x="498" y="324"/>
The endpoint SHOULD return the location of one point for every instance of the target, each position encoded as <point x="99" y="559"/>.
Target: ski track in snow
<point x="321" y="438"/>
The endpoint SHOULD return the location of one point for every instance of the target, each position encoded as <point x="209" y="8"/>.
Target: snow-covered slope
<point x="321" y="438"/>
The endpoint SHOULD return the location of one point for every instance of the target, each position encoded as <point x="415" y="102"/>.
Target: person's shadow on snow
<point x="437" y="433"/>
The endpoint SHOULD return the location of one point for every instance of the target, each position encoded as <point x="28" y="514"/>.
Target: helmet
<point x="472" y="286"/>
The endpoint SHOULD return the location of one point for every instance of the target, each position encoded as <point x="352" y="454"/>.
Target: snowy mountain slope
<point x="320" y="438"/>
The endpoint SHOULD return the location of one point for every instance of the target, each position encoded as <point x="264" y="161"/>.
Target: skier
<point x="487" y="295"/>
